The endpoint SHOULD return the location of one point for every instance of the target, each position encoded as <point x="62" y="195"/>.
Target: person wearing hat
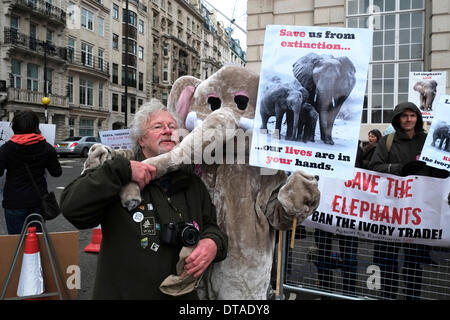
<point x="402" y="158"/>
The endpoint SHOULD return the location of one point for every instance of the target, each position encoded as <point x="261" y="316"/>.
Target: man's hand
<point x="142" y="173"/>
<point x="201" y="257"/>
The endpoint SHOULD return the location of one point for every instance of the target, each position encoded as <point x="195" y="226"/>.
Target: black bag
<point x="49" y="204"/>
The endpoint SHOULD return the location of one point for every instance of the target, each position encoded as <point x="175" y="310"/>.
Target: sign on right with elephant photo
<point x="436" y="149"/>
<point x="425" y="89"/>
<point x="310" y="99"/>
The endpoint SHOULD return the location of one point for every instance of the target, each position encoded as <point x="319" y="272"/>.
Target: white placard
<point x="286" y="48"/>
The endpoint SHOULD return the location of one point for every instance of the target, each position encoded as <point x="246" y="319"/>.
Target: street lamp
<point x="45" y="101"/>
<point x="127" y="19"/>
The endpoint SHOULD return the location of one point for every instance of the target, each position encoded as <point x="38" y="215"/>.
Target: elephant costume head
<point x="231" y="87"/>
<point x="329" y="81"/>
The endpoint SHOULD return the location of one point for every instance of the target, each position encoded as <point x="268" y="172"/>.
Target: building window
<point x="16" y="73"/>
<point x="115" y="41"/>
<point x="87" y="19"/>
<point x="115" y="73"/>
<point x="86" y="92"/>
<point x="86" y="54"/>
<point x="141" y="26"/>
<point x="115" y="102"/>
<point x="131" y="46"/>
<point x="101" y="23"/>
<point x="131" y="77"/>
<point x="100" y="59"/>
<point x="115" y="11"/>
<point x="165" y="72"/>
<point x="49" y="36"/>
<point x="141" y="53"/>
<point x="14" y="23"/>
<point x="32" y="77"/>
<point x="71" y="127"/>
<point x="71" y="10"/>
<point x="132" y="17"/>
<point x="132" y="105"/>
<point x="100" y="95"/>
<point x="86" y="127"/>
<point x="70" y="89"/>
<point x="398" y="41"/>
<point x="49" y="80"/>
<point x="141" y="81"/>
<point x="71" y="49"/>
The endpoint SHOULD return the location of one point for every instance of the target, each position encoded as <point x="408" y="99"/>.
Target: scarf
<point x="27" y="138"/>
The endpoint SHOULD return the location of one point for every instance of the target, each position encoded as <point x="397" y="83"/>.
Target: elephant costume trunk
<point x="190" y="150"/>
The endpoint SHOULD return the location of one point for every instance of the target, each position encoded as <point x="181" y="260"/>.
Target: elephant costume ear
<point x="180" y="96"/>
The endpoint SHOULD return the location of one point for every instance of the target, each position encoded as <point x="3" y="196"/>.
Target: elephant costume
<point x="280" y="99"/>
<point x="329" y="81"/>
<point x="427" y="90"/>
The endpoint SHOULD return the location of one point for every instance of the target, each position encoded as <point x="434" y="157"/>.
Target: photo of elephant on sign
<point x="427" y="91"/>
<point x="288" y="99"/>
<point x="442" y="133"/>
<point x="329" y="81"/>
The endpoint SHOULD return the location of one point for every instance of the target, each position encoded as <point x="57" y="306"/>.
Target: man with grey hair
<point x="141" y="247"/>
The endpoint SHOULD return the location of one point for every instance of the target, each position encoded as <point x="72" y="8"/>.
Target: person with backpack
<point x="398" y="153"/>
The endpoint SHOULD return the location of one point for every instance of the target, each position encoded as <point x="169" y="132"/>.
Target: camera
<point x="182" y="233"/>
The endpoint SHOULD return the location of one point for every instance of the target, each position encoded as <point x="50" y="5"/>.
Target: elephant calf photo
<point x="280" y="99"/>
<point x="329" y="81"/>
<point x="427" y="91"/>
<point x="442" y="132"/>
<point x="307" y="123"/>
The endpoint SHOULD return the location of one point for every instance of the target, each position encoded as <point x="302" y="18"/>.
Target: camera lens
<point x="189" y="236"/>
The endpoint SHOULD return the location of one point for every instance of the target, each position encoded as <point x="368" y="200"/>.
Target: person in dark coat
<point x="137" y="253"/>
<point x="27" y="145"/>
<point x="403" y="159"/>
<point x="368" y="150"/>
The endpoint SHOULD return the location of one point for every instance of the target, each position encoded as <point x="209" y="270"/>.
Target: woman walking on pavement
<point x="27" y="146"/>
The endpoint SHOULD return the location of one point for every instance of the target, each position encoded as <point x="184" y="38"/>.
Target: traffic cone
<point x="31" y="281"/>
<point x="96" y="240"/>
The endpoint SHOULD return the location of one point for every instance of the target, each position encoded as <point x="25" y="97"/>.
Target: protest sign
<point x="436" y="149"/>
<point x="47" y="130"/>
<point x="310" y="99"/>
<point x="379" y="206"/>
<point x="116" y="139"/>
<point x="424" y="89"/>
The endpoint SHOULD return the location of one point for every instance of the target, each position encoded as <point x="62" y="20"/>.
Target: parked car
<point x="75" y="146"/>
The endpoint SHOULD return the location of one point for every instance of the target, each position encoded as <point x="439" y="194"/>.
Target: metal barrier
<point x="346" y="267"/>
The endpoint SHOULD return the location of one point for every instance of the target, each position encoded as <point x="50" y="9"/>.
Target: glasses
<point x="160" y="127"/>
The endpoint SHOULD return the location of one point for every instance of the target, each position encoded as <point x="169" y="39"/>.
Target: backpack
<point x="389" y="141"/>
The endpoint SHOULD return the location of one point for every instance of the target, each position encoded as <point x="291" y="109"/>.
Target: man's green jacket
<point x="133" y="261"/>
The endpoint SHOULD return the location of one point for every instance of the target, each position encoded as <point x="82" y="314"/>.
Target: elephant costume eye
<point x="214" y="102"/>
<point x="241" y="101"/>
